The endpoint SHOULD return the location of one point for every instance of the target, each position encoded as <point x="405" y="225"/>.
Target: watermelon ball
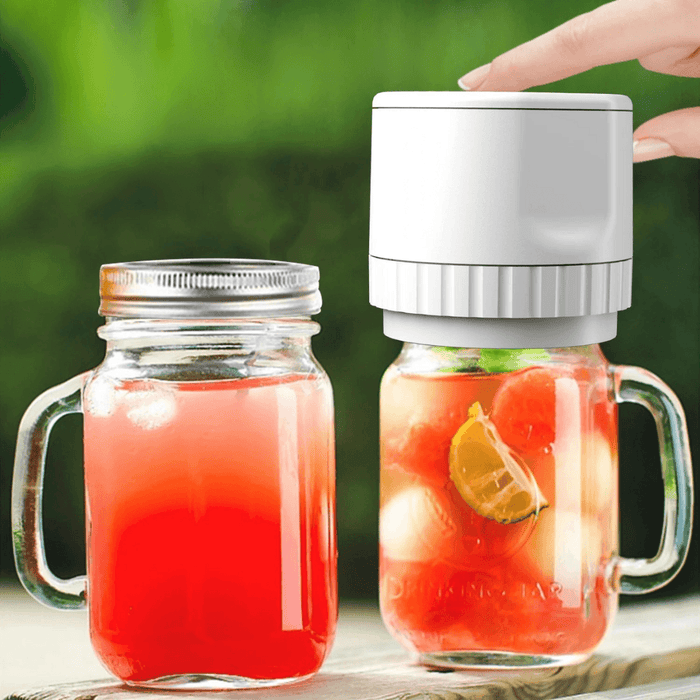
<point x="523" y="411"/>
<point x="425" y="451"/>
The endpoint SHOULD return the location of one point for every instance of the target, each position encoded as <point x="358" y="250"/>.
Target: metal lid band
<point x="209" y="288"/>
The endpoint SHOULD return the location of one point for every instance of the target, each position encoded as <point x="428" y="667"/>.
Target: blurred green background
<point x="241" y="128"/>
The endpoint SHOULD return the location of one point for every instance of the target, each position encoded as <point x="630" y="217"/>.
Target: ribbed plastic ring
<point x="500" y="291"/>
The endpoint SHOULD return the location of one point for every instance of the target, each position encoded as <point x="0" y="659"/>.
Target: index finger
<point x="618" y="31"/>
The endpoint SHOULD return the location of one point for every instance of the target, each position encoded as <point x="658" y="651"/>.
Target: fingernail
<point x="650" y="149"/>
<point x="473" y="79"/>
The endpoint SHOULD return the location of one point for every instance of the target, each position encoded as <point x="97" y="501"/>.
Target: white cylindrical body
<point x="501" y="206"/>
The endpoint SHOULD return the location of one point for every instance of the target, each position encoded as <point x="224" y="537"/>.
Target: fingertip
<point x="474" y="79"/>
<point x="674" y="133"/>
<point x="651" y="149"/>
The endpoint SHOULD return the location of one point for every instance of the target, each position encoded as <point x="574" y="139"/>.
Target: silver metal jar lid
<point x="209" y="288"/>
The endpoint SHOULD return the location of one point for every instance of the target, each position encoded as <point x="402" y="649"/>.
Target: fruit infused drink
<point x="211" y="547"/>
<point x="498" y="516"/>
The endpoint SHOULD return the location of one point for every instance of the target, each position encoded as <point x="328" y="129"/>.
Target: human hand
<point x="663" y="35"/>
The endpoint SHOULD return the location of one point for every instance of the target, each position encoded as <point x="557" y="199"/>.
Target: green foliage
<point x="111" y="80"/>
<point x="142" y="130"/>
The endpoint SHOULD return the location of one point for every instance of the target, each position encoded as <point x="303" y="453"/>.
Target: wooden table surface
<point x="652" y="652"/>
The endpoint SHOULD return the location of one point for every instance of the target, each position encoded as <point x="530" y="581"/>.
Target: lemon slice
<point x="488" y="475"/>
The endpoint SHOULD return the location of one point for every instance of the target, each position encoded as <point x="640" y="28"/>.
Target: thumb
<point x="673" y="134"/>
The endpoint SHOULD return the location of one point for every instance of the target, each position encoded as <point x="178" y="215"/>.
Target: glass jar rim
<point x="206" y="288"/>
<point x="215" y="329"/>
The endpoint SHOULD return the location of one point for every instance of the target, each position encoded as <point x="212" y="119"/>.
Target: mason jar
<point x="209" y="477"/>
<point x="499" y="501"/>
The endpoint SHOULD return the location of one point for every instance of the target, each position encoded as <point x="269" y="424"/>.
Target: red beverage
<point x="466" y="567"/>
<point x="211" y="541"/>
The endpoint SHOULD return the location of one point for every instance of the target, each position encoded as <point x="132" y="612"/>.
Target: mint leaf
<point x="508" y="359"/>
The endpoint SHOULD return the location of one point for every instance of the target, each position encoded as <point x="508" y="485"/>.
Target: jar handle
<point x="27" y="483"/>
<point x="636" y="385"/>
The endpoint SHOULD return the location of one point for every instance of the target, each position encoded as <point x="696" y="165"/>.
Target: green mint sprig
<point x="507" y="359"/>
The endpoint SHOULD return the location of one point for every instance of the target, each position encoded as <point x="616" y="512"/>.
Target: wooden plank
<point x="649" y="643"/>
<point x="683" y="689"/>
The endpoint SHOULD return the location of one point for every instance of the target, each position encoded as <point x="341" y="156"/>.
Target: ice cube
<point x="599" y="474"/>
<point x="566" y="548"/>
<point x="102" y="397"/>
<point x="151" y="408"/>
<point x="417" y="525"/>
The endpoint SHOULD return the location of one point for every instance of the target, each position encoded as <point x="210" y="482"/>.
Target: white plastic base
<point x="500" y="332"/>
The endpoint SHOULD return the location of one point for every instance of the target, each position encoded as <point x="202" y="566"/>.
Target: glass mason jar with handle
<point x="499" y="503"/>
<point x="501" y="253"/>
<point x="209" y="478"/>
